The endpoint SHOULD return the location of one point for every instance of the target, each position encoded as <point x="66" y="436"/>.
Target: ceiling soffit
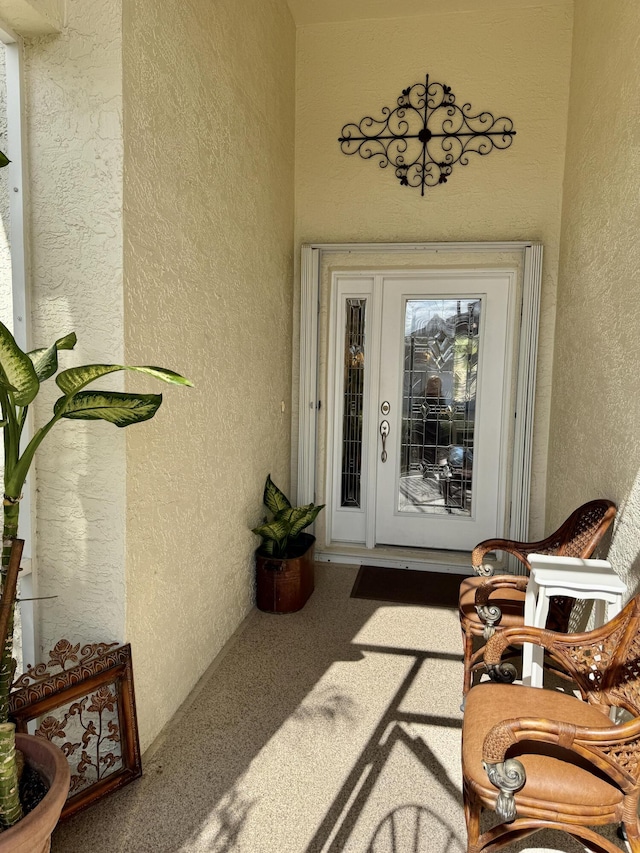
<point x="307" y="12"/>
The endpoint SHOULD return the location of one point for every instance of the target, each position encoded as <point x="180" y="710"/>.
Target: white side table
<point x="565" y="576"/>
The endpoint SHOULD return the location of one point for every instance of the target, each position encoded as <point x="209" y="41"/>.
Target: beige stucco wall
<point x="34" y="17"/>
<point x="209" y="132"/>
<point x="513" y="62"/>
<point x="594" y="447"/>
<point x="73" y="99"/>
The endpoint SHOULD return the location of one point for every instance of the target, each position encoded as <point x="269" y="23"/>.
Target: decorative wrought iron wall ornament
<point x="426" y="135"/>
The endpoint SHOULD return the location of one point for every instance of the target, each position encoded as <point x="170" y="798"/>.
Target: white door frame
<point x="312" y="256"/>
<point x="18" y="184"/>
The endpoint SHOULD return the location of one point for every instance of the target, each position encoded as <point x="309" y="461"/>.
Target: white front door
<point x="441" y="409"/>
<point x="421" y="408"/>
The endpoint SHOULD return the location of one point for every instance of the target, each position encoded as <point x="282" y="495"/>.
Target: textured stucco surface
<point x="33" y="17"/>
<point x="512" y="62"/>
<point x="73" y="86"/>
<point x="209" y="156"/>
<point x="594" y="446"/>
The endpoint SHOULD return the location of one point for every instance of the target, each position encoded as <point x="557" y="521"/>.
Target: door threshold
<point x="417" y="559"/>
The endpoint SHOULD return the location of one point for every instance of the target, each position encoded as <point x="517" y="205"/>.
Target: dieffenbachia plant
<point x="281" y="533"/>
<point x="21" y="378"/>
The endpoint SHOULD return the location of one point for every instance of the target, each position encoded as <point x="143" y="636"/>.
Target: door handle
<point x="385" y="429"/>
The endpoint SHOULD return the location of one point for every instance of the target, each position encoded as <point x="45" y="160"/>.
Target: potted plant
<point x="284" y="561"/>
<point x="21" y="378"/>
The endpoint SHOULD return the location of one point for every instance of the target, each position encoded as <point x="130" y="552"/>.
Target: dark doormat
<point x="407" y="586"/>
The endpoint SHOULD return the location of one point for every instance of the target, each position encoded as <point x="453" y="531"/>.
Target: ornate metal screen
<point x="82" y="700"/>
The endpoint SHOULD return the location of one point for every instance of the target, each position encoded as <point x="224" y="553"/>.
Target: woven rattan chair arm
<point x="554" y="641"/>
<point x="483" y="548"/>
<point x="497" y="645"/>
<point x="612" y="749"/>
<point x="564" y="650"/>
<point x="497" y="582"/>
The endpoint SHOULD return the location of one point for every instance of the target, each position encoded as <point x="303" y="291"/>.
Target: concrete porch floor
<point x="333" y="729"/>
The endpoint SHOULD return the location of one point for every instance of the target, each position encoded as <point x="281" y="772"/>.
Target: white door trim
<point x="18" y="190"/>
<point x="312" y="255"/>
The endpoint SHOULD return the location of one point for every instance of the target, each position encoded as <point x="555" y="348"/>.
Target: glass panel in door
<point x="353" y="403"/>
<point x="439" y="386"/>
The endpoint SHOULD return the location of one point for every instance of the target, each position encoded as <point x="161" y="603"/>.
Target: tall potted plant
<point x="284" y="561"/>
<point x="22" y="375"/>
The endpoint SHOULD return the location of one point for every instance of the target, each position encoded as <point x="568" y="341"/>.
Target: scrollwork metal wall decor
<point x="426" y="135"/>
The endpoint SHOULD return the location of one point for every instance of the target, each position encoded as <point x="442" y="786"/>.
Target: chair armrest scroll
<point x="488" y="612"/>
<point x="483" y="548"/>
<point x="521" y="550"/>
<point x="508" y="777"/>
<point x="603" y="747"/>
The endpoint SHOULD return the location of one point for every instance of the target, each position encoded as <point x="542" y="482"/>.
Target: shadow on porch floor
<point x="333" y="729"/>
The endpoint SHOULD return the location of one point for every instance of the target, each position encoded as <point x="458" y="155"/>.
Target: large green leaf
<point x="274" y="531"/>
<point x="4" y="160"/>
<point x="45" y="360"/>
<point x="291" y="514"/>
<point x="277" y="530"/>
<point x="17" y="373"/>
<point x="116" y="407"/>
<point x="305" y="519"/>
<point x="75" y="378"/>
<point x="273" y="498"/>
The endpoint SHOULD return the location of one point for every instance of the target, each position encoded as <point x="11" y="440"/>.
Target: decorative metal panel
<point x="82" y="700"/>
<point x="353" y="402"/>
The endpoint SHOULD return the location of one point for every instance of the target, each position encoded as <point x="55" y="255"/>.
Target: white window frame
<point x="21" y="313"/>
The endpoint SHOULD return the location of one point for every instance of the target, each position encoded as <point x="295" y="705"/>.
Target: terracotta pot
<point x="33" y="833"/>
<point x="283" y="585"/>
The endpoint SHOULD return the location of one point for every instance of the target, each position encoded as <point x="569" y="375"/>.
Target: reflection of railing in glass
<point x="353" y="402"/>
<point x="440" y="379"/>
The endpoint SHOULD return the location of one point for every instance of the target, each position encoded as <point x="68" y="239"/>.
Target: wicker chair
<point x="492" y="602"/>
<point x="564" y="765"/>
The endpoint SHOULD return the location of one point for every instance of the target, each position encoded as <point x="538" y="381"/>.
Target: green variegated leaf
<point x="277" y="531"/>
<point x="116" y="407"/>
<point x="45" y="361"/>
<point x="291" y="514"/>
<point x="269" y="547"/>
<point x="17" y="373"/>
<point x="75" y="378"/>
<point x="273" y="498"/>
<point x="305" y="519"/>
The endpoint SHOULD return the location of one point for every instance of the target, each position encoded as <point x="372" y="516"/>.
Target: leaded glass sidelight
<point x="438" y="406"/>
<point x="353" y="393"/>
